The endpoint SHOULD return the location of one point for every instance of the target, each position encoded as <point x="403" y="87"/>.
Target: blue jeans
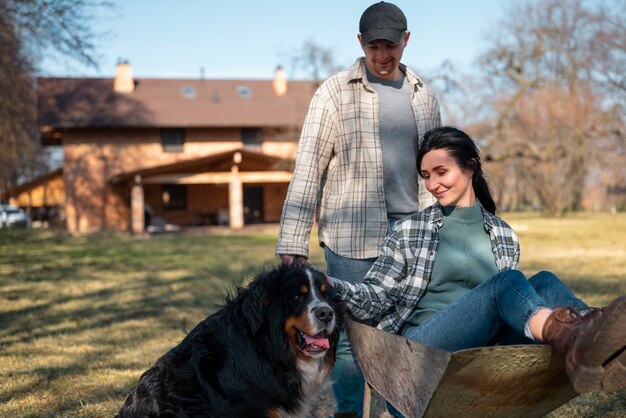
<point x="347" y="378"/>
<point x="494" y="312"/>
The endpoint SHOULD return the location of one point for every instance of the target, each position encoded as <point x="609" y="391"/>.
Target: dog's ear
<point x="260" y="293"/>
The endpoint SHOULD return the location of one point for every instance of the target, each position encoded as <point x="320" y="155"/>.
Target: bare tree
<point x="29" y="29"/>
<point x="317" y="62"/>
<point x="16" y="104"/>
<point x="548" y="96"/>
<point x="609" y="45"/>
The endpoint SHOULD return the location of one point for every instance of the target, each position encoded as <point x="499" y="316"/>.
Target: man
<point x="356" y="165"/>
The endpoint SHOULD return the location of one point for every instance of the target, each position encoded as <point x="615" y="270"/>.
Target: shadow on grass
<point x="66" y="376"/>
<point x="581" y="285"/>
<point x="64" y="315"/>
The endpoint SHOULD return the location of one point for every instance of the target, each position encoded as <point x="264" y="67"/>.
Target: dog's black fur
<point x="263" y="354"/>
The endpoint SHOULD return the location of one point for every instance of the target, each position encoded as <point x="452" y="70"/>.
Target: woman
<point x="447" y="277"/>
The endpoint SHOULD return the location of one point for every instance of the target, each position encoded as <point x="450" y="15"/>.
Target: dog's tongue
<point x="317" y="341"/>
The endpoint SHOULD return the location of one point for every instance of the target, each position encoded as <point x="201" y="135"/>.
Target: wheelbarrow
<point x="421" y="381"/>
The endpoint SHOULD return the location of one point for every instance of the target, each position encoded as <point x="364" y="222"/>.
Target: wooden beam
<point x="137" y="207"/>
<point x="235" y="197"/>
<point x="221" y="178"/>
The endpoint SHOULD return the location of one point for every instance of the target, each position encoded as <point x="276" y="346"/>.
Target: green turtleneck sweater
<point x="464" y="260"/>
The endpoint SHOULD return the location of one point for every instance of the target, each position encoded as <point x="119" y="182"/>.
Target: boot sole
<point x="615" y="377"/>
<point x="604" y="364"/>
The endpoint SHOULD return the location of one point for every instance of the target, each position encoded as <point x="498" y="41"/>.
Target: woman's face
<point x="451" y="185"/>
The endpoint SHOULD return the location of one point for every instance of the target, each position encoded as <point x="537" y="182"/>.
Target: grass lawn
<point x="82" y="317"/>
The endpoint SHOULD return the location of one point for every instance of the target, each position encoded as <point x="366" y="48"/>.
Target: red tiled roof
<point x="91" y="102"/>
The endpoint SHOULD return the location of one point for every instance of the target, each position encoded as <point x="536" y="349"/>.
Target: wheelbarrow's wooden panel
<point x="392" y="364"/>
<point x="504" y="381"/>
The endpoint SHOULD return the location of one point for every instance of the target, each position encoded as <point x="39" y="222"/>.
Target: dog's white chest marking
<point x="314" y="378"/>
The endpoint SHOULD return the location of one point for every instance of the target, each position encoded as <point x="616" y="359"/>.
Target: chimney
<point x="124" y="82"/>
<point x="280" y="82"/>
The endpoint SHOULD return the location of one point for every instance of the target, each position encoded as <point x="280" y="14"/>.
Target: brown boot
<point x="593" y="345"/>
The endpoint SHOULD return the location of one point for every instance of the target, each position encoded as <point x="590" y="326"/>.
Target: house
<point x="183" y="151"/>
<point x="43" y="198"/>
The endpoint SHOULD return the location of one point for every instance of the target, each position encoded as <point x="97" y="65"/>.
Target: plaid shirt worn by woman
<point x="339" y="167"/>
<point x="399" y="277"/>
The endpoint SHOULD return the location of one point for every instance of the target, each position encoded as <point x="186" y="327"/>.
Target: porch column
<point x="235" y="194"/>
<point x="137" y="207"/>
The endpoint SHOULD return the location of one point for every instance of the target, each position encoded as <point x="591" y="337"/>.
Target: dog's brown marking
<point x="301" y="323"/>
<point x="304" y="289"/>
<point x="273" y="414"/>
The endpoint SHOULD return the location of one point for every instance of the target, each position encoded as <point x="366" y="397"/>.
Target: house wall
<point x="48" y="193"/>
<point x="44" y="201"/>
<point x="93" y="156"/>
<point x="274" y="195"/>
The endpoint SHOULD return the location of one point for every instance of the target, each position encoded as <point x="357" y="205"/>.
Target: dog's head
<point x="297" y="303"/>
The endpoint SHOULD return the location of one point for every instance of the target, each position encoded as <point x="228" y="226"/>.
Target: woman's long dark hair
<point x="465" y="152"/>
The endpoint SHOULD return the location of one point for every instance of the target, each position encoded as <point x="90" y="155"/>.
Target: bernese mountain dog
<point x="265" y="353"/>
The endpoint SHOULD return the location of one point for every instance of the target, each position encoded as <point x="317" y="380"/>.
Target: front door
<point x="252" y="205"/>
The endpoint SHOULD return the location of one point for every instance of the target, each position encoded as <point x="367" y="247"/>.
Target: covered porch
<point x="233" y="188"/>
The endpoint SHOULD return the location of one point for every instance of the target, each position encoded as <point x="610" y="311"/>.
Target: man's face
<point x="382" y="57"/>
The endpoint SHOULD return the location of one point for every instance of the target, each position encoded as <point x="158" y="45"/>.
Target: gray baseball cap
<point x="382" y="21"/>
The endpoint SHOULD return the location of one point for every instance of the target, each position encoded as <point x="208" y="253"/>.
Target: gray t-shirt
<point x="398" y="140"/>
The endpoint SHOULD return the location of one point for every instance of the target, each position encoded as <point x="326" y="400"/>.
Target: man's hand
<point x="302" y="261"/>
<point x="294" y="259"/>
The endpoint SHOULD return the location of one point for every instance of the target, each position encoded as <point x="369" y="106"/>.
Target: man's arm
<point x="314" y="153"/>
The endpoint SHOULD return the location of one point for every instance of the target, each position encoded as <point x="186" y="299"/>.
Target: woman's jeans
<point x="348" y="381"/>
<point x="494" y="312"/>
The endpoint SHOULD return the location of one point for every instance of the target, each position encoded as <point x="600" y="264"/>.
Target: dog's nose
<point x="324" y="314"/>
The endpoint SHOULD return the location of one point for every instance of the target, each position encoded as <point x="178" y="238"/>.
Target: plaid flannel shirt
<point x="339" y="169"/>
<point x="399" y="277"/>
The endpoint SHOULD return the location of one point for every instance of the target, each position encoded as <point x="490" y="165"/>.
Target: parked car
<point x="13" y="217"/>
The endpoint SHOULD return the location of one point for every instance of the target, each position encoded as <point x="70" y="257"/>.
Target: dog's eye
<point x="298" y="298"/>
<point x="324" y="290"/>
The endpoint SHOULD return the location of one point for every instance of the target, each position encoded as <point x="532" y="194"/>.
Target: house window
<point x="252" y="138"/>
<point x="244" y="92"/>
<point x="188" y="92"/>
<point x="173" y="140"/>
<point x="174" y="197"/>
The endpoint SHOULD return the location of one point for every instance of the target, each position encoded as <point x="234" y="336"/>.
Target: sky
<point x="248" y="39"/>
